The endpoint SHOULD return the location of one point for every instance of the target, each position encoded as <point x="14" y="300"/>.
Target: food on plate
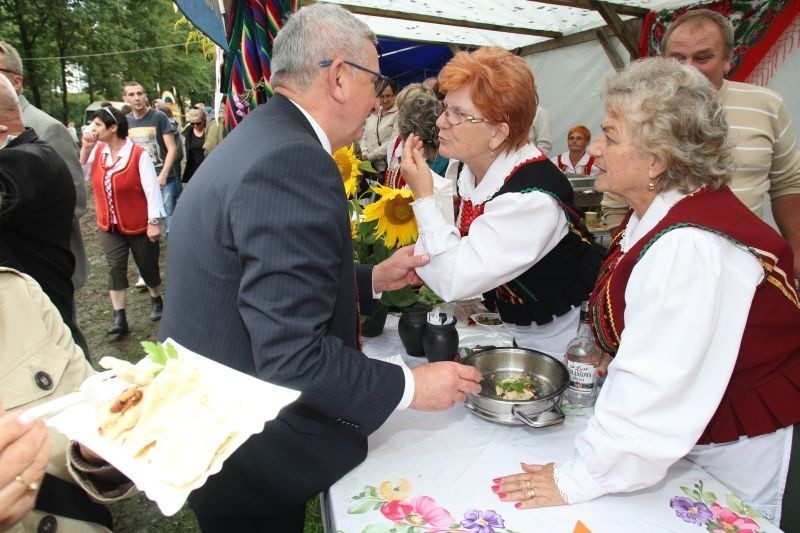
<point x="173" y="417"/>
<point x="487" y="319"/>
<point x="516" y="388"/>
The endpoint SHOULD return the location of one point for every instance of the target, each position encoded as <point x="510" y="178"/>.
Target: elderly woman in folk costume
<point x="697" y="302"/>
<point x="518" y="237"/>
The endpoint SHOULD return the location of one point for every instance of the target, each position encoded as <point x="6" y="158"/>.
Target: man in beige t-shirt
<point x="766" y="157"/>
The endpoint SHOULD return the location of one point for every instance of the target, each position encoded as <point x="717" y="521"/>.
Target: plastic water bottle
<point x="581" y="358"/>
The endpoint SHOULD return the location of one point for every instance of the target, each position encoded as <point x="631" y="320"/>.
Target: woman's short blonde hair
<point x="501" y="86"/>
<point x="583" y="130"/>
<point x="196" y="114"/>
<point x="673" y="113"/>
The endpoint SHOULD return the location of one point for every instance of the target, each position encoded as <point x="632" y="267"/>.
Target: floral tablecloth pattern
<point x="432" y="472"/>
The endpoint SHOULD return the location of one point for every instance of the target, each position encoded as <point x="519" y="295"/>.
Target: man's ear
<point x="336" y="80"/>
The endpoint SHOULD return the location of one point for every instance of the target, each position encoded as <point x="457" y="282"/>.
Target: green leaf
<point x="428" y="296"/>
<point x="155" y="352"/>
<point x="361" y="506"/>
<point x="366" y="166"/>
<point x="689" y="492"/>
<point x="709" y="497"/>
<point x="371" y="491"/>
<point x="404" y="297"/>
<point x="378" y="528"/>
<point x="172" y="352"/>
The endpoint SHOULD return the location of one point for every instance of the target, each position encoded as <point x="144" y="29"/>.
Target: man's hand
<point x="24" y="451"/>
<point x="415" y="169"/>
<point x="398" y="271"/>
<point x="439" y="386"/>
<point x="162" y="179"/>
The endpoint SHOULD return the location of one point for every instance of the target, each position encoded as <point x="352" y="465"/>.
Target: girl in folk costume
<point x="576" y="160"/>
<point x="129" y="207"/>
<point x="518" y="237"/>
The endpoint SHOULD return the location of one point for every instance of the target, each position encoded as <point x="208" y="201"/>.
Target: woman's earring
<point x="651" y="185"/>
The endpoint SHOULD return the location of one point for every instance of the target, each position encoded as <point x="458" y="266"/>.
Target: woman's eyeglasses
<point x="454" y="115"/>
<point x="380" y="80"/>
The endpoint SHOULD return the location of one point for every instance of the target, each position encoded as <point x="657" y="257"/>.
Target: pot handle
<point x="552" y="416"/>
<point x="477" y="350"/>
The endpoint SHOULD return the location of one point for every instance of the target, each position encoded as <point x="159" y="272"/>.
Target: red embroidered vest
<point x="763" y="394"/>
<point x="127" y="195"/>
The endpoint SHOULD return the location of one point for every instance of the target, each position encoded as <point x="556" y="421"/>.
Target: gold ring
<point x="29" y="486"/>
<point x="531" y="493"/>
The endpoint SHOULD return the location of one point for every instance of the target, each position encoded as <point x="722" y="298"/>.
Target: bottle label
<point x="581" y="377"/>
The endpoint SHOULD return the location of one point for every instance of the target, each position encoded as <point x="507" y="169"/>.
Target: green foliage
<point x="159" y="352"/>
<point x="108" y="42"/>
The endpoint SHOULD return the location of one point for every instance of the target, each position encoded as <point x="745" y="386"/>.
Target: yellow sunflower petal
<point x="396" y="222"/>
<point x="347" y="162"/>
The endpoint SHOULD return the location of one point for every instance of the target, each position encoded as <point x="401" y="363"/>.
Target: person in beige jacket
<point x="39" y="362"/>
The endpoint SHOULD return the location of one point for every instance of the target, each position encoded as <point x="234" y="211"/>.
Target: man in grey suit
<point x="266" y="283"/>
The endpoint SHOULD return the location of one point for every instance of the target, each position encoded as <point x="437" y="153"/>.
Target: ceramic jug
<point x="440" y="338"/>
<point x="411" y="326"/>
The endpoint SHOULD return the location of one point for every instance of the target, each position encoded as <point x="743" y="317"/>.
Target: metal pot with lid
<point x="550" y="379"/>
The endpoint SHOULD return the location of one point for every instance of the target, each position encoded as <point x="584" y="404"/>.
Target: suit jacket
<point x="262" y="279"/>
<point x="56" y="134"/>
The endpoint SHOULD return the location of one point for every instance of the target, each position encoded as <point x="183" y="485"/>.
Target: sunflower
<point x="396" y="222"/>
<point x="346" y="160"/>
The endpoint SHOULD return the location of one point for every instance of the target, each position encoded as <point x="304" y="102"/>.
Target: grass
<point x="137" y="514"/>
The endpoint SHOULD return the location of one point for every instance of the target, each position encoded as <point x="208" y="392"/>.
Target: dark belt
<point x="66" y="499"/>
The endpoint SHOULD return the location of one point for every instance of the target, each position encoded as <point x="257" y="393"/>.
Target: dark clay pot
<point x="372" y="326"/>
<point x="440" y="341"/>
<point x="411" y="326"/>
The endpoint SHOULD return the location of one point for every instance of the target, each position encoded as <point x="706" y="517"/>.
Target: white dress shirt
<point x="686" y="305"/>
<point x="514" y="232"/>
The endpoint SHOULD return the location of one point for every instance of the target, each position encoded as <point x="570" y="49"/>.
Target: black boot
<point x="156" y="307"/>
<point x="120" y="324"/>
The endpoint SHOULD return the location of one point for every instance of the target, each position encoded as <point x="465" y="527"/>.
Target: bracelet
<point x="153" y="221"/>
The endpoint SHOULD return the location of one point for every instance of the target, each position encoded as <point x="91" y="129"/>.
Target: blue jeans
<point x="170" y="194"/>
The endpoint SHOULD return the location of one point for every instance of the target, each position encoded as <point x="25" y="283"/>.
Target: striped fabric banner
<point x="252" y="26"/>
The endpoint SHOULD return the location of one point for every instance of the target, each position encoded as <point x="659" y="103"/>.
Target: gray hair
<point x="698" y="17"/>
<point x="315" y="33"/>
<point x="673" y="113"/>
<point x="11" y="58"/>
<point x="417" y="117"/>
<point x="196" y="113"/>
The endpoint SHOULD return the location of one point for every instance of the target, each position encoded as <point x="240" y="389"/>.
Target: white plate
<point x="479" y="317"/>
<point x="253" y="402"/>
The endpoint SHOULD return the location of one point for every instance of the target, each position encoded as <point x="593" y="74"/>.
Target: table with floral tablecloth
<point x="429" y="472"/>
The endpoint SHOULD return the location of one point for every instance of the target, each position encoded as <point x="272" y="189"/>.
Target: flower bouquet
<point x="381" y="227"/>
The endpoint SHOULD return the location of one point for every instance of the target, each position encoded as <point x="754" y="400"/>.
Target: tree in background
<point x="110" y="41"/>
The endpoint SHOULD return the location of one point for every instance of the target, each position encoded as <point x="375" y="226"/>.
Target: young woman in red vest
<point x="697" y="304"/>
<point x="129" y="208"/>
<point x="576" y="160"/>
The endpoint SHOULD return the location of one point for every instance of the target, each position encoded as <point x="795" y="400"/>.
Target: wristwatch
<point x="153" y="221"/>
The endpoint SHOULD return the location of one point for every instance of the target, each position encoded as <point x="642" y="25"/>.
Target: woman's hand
<point x="153" y="232"/>
<point x="415" y="169"/>
<point x="88" y="140"/>
<point x="24" y="451"/>
<point x="534" y="487"/>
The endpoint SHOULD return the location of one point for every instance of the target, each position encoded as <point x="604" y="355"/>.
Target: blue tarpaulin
<point x="408" y="61"/>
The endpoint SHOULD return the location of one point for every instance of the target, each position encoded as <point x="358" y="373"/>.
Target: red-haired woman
<point x="518" y="237"/>
<point x="576" y="160"/>
<point x="129" y="207"/>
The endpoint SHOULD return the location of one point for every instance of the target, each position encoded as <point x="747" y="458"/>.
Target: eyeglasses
<point x="380" y="81"/>
<point x="195" y="123"/>
<point x="9" y="71"/>
<point x="107" y="110"/>
<point x="453" y="115"/>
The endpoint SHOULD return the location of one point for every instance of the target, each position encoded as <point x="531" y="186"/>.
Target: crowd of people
<point x="694" y="304"/>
